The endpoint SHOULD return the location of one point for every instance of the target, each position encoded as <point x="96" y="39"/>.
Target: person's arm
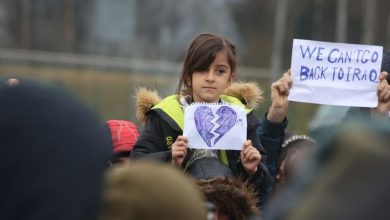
<point x="279" y="97"/>
<point x="271" y="136"/>
<point x="151" y="143"/>
<point x="272" y="127"/>
<point x="261" y="178"/>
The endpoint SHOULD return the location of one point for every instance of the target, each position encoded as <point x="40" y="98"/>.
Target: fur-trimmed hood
<point x="249" y="93"/>
<point x="231" y="196"/>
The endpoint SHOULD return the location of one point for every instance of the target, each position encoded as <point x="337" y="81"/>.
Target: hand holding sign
<point x="250" y="157"/>
<point x="279" y="96"/>
<point x="383" y="94"/>
<point x="179" y="150"/>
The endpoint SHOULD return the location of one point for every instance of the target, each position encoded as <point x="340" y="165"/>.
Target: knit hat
<point x="124" y="134"/>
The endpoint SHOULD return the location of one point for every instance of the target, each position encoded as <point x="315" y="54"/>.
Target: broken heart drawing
<point x="215" y="126"/>
<point x="203" y="116"/>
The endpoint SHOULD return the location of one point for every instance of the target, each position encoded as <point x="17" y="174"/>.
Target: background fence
<point x="108" y="84"/>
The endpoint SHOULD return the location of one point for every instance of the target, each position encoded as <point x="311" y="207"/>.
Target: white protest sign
<point x="215" y="126"/>
<point x="335" y="73"/>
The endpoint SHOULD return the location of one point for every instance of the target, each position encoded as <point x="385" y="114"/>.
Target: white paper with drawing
<point x="215" y="126"/>
<point x="335" y="73"/>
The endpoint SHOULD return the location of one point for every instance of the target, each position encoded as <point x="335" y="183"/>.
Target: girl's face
<point x="209" y="84"/>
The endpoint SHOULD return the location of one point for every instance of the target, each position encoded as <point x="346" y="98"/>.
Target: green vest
<point x="171" y="106"/>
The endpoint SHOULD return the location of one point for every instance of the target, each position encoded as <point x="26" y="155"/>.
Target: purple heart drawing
<point x="203" y="116"/>
<point x="227" y="119"/>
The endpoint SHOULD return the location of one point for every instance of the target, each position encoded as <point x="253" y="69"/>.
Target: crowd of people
<point x="61" y="163"/>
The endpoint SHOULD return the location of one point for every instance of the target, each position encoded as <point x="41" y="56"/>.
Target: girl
<point x="209" y="68"/>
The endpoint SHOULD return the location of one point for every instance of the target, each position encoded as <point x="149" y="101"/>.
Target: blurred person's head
<point x="149" y="191"/>
<point x="52" y="155"/>
<point x="123" y="135"/>
<point x="294" y="149"/>
<point x="233" y="198"/>
<point x="12" y="82"/>
<point x="346" y="179"/>
<point x="9" y="82"/>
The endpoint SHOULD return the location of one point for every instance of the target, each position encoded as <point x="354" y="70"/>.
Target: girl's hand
<point x="179" y="150"/>
<point x="250" y="157"/>
<point x="279" y="94"/>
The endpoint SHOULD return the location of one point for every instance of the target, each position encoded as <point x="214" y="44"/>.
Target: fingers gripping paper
<point x="335" y="73"/>
<point x="215" y="126"/>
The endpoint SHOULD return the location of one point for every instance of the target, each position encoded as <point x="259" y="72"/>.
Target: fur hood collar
<point x="249" y="93"/>
<point x="231" y="196"/>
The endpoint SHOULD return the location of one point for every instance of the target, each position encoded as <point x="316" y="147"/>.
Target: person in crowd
<point x="344" y="179"/>
<point x="345" y="154"/>
<point x="274" y="150"/>
<point x="12" y="82"/>
<point x="382" y="111"/>
<point x="209" y="69"/>
<point x="271" y="129"/>
<point x="9" y="82"/>
<point x="233" y="198"/>
<point x="122" y="134"/>
<point x="53" y="155"/>
<point x="148" y="190"/>
<point x="294" y="151"/>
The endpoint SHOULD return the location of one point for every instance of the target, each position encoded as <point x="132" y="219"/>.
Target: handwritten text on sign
<point x="335" y="73"/>
<point x="215" y="126"/>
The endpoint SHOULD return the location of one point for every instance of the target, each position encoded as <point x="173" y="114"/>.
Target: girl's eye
<point x="220" y="71"/>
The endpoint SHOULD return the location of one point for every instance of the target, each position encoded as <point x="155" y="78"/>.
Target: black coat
<point x="161" y="131"/>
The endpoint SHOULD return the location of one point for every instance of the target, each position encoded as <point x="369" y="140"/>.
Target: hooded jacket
<point x="163" y="122"/>
<point x="53" y="155"/>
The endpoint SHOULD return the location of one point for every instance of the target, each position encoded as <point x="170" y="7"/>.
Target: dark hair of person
<point x="201" y="54"/>
<point x="291" y="144"/>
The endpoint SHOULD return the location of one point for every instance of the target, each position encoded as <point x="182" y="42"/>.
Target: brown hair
<point x="201" y="54"/>
<point x="231" y="196"/>
<point x="293" y="143"/>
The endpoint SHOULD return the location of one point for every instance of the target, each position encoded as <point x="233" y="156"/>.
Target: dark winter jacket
<point x="271" y="136"/>
<point x="53" y="155"/>
<point x="165" y="122"/>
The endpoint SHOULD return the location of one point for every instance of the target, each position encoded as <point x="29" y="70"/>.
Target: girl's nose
<point x="210" y="76"/>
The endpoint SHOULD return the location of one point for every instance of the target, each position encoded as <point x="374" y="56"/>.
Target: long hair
<point x="201" y="54"/>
